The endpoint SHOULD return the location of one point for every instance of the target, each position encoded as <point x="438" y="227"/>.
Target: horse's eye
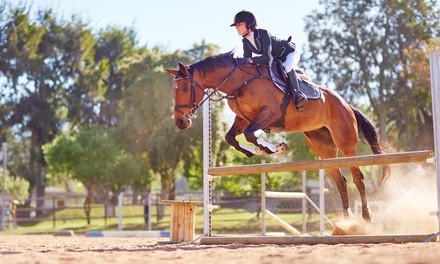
<point x="185" y="88"/>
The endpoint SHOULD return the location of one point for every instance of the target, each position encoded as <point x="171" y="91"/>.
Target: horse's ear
<point x="171" y="71"/>
<point x="184" y="69"/>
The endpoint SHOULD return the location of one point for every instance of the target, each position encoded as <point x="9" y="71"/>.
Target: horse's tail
<point x="367" y="129"/>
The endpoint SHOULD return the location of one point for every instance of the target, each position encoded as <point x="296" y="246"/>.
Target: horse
<point x="329" y="123"/>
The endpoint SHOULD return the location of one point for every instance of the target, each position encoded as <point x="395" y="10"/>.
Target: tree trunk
<point x="40" y="185"/>
<point x="36" y="170"/>
<point x="87" y="206"/>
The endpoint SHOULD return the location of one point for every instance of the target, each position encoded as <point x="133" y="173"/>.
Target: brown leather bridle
<point x="193" y="105"/>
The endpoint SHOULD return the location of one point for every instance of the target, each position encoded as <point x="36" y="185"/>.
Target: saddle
<point x="279" y="78"/>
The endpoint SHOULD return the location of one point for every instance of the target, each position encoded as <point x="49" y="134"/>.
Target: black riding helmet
<point x="245" y="16"/>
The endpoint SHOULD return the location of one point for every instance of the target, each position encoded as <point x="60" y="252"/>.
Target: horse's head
<point x="186" y="96"/>
<point x="189" y="93"/>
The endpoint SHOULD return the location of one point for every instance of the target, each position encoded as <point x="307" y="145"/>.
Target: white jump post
<point x="434" y="64"/>
<point x="270" y="194"/>
<point x="321" y="201"/>
<point x="295" y="195"/>
<point x="207" y="179"/>
<point x="263" y="202"/>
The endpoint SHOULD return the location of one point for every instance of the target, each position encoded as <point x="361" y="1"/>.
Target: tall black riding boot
<point x="298" y="97"/>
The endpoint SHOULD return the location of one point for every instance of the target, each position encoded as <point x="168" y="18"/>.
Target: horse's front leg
<point x="236" y="129"/>
<point x="263" y="120"/>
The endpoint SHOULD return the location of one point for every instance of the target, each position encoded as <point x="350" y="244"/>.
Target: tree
<point x="96" y="159"/>
<point x="147" y="128"/>
<point x="17" y="188"/>
<point x="416" y="117"/>
<point x="112" y="47"/>
<point x="42" y="59"/>
<point x="359" y="48"/>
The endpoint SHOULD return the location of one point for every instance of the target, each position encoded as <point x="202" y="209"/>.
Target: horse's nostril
<point x="180" y="123"/>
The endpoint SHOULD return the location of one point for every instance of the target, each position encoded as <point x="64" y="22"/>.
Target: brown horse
<point x="329" y="123"/>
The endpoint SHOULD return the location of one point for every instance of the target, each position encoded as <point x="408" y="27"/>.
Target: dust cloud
<point x="409" y="201"/>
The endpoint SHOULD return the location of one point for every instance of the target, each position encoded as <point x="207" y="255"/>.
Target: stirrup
<point x="299" y="99"/>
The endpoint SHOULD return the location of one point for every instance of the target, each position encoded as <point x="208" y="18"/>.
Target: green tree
<point x="147" y="128"/>
<point x="112" y="47"/>
<point x="96" y="159"/>
<point x="359" y="48"/>
<point x="17" y="188"/>
<point x="416" y="117"/>
<point x="42" y="59"/>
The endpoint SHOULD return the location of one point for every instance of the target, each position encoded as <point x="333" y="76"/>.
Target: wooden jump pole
<point x="289" y="195"/>
<point x="345" y="162"/>
<point x="313" y="240"/>
<point x="292" y="230"/>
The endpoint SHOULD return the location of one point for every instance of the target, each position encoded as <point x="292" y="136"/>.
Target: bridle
<point x="193" y="105"/>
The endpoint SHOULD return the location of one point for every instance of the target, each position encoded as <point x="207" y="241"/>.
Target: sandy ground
<point x="80" y="249"/>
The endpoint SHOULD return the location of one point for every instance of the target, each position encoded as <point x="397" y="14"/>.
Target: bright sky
<point x="178" y="24"/>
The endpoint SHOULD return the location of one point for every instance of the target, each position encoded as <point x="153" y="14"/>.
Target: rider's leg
<point x="298" y="97"/>
<point x="290" y="64"/>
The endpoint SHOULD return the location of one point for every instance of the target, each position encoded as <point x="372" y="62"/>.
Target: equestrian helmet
<point x="244" y="16"/>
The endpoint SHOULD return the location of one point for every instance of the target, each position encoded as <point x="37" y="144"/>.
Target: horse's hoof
<point x="282" y="148"/>
<point x="366" y="214"/>
<point x="259" y="151"/>
<point x="348" y="227"/>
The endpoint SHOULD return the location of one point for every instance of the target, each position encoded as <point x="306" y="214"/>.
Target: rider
<point x="261" y="42"/>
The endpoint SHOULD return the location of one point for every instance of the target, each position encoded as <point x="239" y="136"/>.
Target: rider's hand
<point x="241" y="61"/>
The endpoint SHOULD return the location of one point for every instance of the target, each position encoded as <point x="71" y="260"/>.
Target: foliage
<point x="359" y="48"/>
<point x="17" y="188"/>
<point x="113" y="46"/>
<point x="41" y="58"/>
<point x="418" y="118"/>
<point x="94" y="158"/>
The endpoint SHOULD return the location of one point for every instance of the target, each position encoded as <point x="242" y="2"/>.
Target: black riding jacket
<point x="268" y="46"/>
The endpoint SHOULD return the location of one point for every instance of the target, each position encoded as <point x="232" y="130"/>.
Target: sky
<point x="178" y="24"/>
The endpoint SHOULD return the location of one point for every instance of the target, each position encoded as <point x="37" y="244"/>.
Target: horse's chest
<point x="242" y="109"/>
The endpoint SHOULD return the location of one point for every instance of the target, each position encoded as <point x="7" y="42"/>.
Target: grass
<point x="224" y="221"/>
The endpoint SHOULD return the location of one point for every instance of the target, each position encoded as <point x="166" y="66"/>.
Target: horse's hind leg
<point x="320" y="141"/>
<point x="358" y="179"/>
<point x="347" y="143"/>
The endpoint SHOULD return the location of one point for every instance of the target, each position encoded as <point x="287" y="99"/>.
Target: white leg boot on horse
<point x="298" y="97"/>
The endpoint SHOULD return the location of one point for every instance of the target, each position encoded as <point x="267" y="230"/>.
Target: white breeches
<point x="292" y="61"/>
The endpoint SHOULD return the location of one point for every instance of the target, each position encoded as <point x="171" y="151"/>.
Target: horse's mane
<point x="212" y="62"/>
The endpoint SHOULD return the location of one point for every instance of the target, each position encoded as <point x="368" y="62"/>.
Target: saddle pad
<point x="310" y="89"/>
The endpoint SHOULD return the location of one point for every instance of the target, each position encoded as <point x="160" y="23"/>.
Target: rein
<point x="193" y="105"/>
